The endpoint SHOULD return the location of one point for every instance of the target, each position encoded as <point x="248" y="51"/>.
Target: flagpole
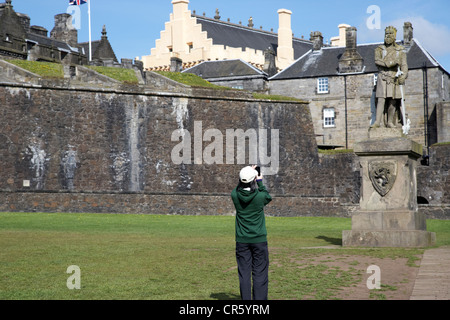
<point x="90" y="38"/>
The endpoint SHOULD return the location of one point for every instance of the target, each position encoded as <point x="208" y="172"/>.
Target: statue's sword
<point x="406" y="122"/>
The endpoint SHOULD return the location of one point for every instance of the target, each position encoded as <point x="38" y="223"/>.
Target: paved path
<point x="433" y="279"/>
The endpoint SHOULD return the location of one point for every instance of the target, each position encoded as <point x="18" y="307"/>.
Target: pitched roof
<point x="101" y="49"/>
<point x="62" y="46"/>
<point x="239" y="36"/>
<point x="85" y="47"/>
<point x="325" y="62"/>
<point x="225" y="69"/>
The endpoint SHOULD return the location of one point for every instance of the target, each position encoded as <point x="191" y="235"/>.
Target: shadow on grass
<point x="225" y="296"/>
<point x="334" y="241"/>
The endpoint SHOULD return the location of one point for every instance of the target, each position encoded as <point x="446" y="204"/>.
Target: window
<point x="322" y="85"/>
<point x="375" y="79"/>
<point x="329" y="118"/>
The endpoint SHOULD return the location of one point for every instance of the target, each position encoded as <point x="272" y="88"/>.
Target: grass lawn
<point x="120" y="74"/>
<point x="44" y="69"/>
<point x="168" y="257"/>
<point x="190" y="80"/>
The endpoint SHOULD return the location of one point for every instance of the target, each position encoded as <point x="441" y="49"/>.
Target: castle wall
<point x="434" y="183"/>
<point x="70" y="149"/>
<point x="65" y="148"/>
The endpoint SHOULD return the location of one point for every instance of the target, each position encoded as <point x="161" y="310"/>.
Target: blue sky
<point x="134" y="25"/>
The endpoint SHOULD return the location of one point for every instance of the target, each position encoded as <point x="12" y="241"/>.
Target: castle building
<point x="195" y="39"/>
<point x="234" y="73"/>
<point x="102" y="51"/>
<point x="20" y="40"/>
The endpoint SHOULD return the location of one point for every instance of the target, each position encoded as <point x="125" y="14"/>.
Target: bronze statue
<point x="391" y="61"/>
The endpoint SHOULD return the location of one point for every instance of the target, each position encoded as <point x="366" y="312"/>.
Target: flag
<point x="77" y="2"/>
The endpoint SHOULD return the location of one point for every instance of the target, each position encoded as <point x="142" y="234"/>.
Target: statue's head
<point x="390" y="35"/>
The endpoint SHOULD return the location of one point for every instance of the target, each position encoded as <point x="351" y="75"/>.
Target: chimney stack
<point x="64" y="30"/>
<point x="176" y="64"/>
<point x="285" y="50"/>
<point x="408" y="33"/>
<point x="351" y="61"/>
<point x="269" y="62"/>
<point x="317" y="40"/>
<point x="340" y="41"/>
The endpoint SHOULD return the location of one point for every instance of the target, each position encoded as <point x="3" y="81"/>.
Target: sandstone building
<point x="194" y="39"/>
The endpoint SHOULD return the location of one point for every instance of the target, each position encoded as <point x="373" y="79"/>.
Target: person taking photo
<point x="252" y="255"/>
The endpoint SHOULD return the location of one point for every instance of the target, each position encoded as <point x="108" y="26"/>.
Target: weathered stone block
<point x="388" y="215"/>
<point x="388" y="238"/>
<point x="388" y="171"/>
<point x="389" y="220"/>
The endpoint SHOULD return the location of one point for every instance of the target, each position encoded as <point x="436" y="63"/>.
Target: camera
<point x="258" y="169"/>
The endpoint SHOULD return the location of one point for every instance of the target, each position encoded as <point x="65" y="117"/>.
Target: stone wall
<point x="79" y="149"/>
<point x="164" y="203"/>
<point x="250" y="84"/>
<point x="434" y="183"/>
<point x="443" y="120"/>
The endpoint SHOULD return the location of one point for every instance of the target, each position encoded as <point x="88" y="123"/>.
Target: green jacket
<point x="250" y="219"/>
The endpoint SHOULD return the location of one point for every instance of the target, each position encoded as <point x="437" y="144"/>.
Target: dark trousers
<point x="253" y="264"/>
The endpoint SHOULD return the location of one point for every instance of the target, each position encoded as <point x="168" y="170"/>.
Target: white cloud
<point x="434" y="37"/>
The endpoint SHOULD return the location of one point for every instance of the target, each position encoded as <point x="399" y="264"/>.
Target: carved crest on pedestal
<point x="383" y="175"/>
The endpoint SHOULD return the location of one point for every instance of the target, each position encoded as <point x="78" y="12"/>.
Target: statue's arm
<point x="387" y="62"/>
<point x="405" y="65"/>
<point x="379" y="61"/>
<point x="404" y="68"/>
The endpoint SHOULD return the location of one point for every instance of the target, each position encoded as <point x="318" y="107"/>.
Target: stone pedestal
<point x="388" y="215"/>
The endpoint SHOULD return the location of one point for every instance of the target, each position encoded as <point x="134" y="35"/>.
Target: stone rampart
<point x="103" y="146"/>
<point x="70" y="149"/>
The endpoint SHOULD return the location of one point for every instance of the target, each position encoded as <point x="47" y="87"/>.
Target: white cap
<point x="248" y="174"/>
